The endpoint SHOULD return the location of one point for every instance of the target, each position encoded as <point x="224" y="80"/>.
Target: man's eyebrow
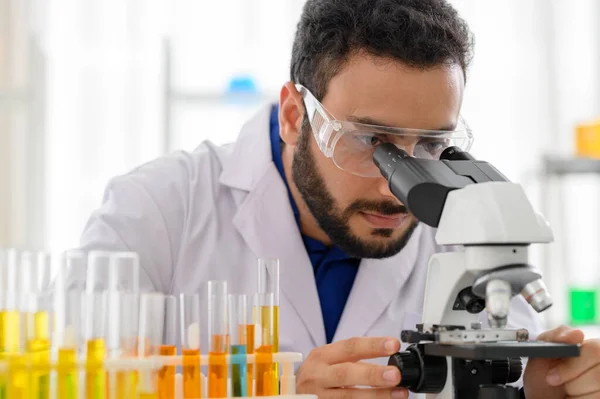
<point x="367" y="120"/>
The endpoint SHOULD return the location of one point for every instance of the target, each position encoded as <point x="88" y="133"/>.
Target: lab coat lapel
<point x="265" y="220"/>
<point x="377" y="284"/>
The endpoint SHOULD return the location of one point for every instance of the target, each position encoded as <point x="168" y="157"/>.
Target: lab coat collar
<point x="265" y="220"/>
<point x="251" y="155"/>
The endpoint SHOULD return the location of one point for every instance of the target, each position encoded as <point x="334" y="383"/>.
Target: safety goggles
<point x="351" y="145"/>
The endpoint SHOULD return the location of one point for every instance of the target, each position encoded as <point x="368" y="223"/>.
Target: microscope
<point x="474" y="206"/>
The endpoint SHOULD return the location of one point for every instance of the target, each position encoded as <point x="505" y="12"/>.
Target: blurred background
<point x="92" y="88"/>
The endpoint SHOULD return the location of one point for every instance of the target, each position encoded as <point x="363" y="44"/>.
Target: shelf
<point x="560" y="166"/>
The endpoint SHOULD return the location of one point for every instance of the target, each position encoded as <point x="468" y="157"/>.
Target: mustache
<point x="383" y="208"/>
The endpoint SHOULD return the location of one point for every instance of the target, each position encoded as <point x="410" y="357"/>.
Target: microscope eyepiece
<point x="456" y="154"/>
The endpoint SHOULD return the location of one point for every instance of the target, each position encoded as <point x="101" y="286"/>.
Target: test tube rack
<point x="152" y="365"/>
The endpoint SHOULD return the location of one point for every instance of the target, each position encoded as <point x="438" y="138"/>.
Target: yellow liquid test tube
<point x="95" y="376"/>
<point x="67" y="374"/>
<point x="10" y="319"/>
<point x="18" y="376"/>
<point x="268" y="282"/>
<point x="189" y="306"/>
<point x="264" y="378"/>
<point x="38" y="349"/>
<point x="66" y="341"/>
<point x="95" y="331"/>
<point x="166" y="375"/>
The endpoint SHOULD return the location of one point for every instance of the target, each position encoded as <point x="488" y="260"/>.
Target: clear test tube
<point x="75" y="270"/>
<point x="238" y="313"/>
<point x="67" y="342"/>
<point x="264" y="378"/>
<point x="166" y="375"/>
<point x="124" y="273"/>
<point x="98" y="271"/>
<point x="45" y="270"/>
<point x="218" y="339"/>
<point x="152" y="315"/>
<point x="189" y="305"/>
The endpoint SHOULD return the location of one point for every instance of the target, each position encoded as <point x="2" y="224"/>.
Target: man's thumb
<point x="534" y="379"/>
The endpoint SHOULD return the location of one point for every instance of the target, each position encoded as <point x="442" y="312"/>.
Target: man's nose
<point x="383" y="188"/>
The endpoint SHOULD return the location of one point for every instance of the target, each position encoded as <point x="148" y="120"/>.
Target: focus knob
<point x="410" y="368"/>
<point x="506" y="371"/>
<point x="420" y="373"/>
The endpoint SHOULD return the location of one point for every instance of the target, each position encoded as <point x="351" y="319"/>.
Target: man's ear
<point x="291" y="112"/>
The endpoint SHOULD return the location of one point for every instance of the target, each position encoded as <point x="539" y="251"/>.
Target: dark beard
<point x="334" y="223"/>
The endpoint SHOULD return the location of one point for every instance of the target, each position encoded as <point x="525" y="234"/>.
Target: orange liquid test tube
<point x="250" y="351"/>
<point x="189" y="305"/>
<point x="166" y="375"/>
<point x="218" y="339"/>
<point x="150" y="338"/>
<point x="264" y="377"/>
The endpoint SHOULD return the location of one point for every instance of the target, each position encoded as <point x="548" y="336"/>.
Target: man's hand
<point x="577" y="377"/>
<point x="335" y="370"/>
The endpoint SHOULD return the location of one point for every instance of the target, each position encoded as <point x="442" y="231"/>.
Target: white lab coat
<point x="209" y="214"/>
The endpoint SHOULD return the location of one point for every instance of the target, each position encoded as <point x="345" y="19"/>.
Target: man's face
<point x="360" y="215"/>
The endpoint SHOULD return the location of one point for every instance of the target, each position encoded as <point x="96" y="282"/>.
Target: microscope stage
<point x="502" y="350"/>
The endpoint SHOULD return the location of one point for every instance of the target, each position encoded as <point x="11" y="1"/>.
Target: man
<point x="299" y="185"/>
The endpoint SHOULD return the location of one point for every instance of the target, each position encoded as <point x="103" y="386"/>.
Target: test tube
<point x="38" y="343"/>
<point x="251" y="331"/>
<point x="264" y="379"/>
<point x="166" y="376"/>
<point x="95" y="306"/>
<point x="189" y="305"/>
<point x="98" y="274"/>
<point x="238" y="312"/>
<point x="124" y="272"/>
<point x="10" y="323"/>
<point x="75" y="270"/>
<point x="218" y="337"/>
<point x="67" y="341"/>
<point x="45" y="270"/>
<point x="124" y="338"/>
<point x="268" y="282"/>
<point x="152" y="315"/>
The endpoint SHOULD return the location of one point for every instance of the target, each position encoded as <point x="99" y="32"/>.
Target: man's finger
<point x="569" y="369"/>
<point x="562" y="334"/>
<point x="586" y="384"/>
<point x="363" y="374"/>
<point x="355" y="349"/>
<point x="366" y="393"/>
<point x="594" y="395"/>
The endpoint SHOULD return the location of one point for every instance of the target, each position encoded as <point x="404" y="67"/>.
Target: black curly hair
<point x="418" y="33"/>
